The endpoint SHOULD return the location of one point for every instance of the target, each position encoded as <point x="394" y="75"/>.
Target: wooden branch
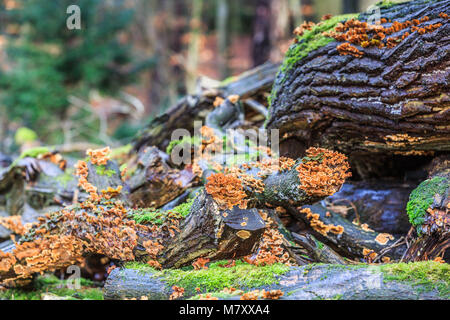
<point x="353" y="241"/>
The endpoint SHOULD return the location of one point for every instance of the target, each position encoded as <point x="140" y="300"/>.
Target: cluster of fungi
<point x="381" y="35"/>
<point x="100" y="225"/>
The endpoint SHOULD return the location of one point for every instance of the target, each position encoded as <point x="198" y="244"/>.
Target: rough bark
<point x="431" y="238"/>
<point x="390" y="101"/>
<point x="155" y="182"/>
<point x="211" y="233"/>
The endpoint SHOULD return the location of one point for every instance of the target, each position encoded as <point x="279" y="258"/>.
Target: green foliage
<point x="51" y="62"/>
<point x="217" y="277"/>
<point x="24" y="135"/>
<point x="421" y="199"/>
<point x="51" y="284"/>
<point x="427" y="274"/>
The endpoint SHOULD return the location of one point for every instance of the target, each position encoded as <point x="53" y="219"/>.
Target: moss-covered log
<point x="416" y="281"/>
<point x="391" y="101"/>
<point x="429" y="213"/>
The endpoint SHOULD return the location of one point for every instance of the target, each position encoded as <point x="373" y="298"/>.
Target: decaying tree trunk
<point x="211" y="233"/>
<point x="154" y="182"/>
<point x="354" y="241"/>
<point x="389" y="102"/>
<point x="253" y="86"/>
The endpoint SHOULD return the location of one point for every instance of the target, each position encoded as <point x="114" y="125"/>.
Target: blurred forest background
<point x="131" y="60"/>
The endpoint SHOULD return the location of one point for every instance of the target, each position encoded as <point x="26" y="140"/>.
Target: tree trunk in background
<point x="261" y="33"/>
<point x="308" y="10"/>
<point x="279" y="29"/>
<point x="194" y="44"/>
<point x="295" y="7"/>
<point x="221" y="27"/>
<point x="350" y="6"/>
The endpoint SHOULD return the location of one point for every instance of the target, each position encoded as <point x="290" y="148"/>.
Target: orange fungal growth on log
<point x="320" y="226"/>
<point x="7" y="260"/>
<point x="361" y="33"/>
<point x="111" y="192"/>
<point x="178" y="292"/>
<point x="207" y="296"/>
<point x="153" y="248"/>
<point x="383" y="238"/>
<point x="272" y="294"/>
<point x="270" y="250"/>
<point x="307" y="25"/>
<point x="200" y="263"/>
<point x="233" y="98"/>
<point x="82" y="172"/>
<point x="226" y="190"/>
<point x="365" y="227"/>
<point x="99" y="157"/>
<point x="14" y="223"/>
<point x="346" y="48"/>
<point x="322" y="172"/>
<point x="218" y="101"/>
<point x="252" y="295"/>
<point x="369" y="255"/>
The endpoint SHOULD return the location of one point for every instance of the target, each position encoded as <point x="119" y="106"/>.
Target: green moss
<point x="188" y="140"/>
<point x="217" y="294"/>
<point x="102" y="171"/>
<point x="312" y="40"/>
<point x="53" y="285"/>
<point x="216" y="278"/>
<point x="429" y="275"/>
<point x="421" y="199"/>
<point x="158" y="217"/>
<point x="34" y="152"/>
<point x="184" y="208"/>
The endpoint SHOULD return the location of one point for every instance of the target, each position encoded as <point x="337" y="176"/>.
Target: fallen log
<point x="327" y="281"/>
<point x="352" y="241"/>
<point x="380" y="107"/>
